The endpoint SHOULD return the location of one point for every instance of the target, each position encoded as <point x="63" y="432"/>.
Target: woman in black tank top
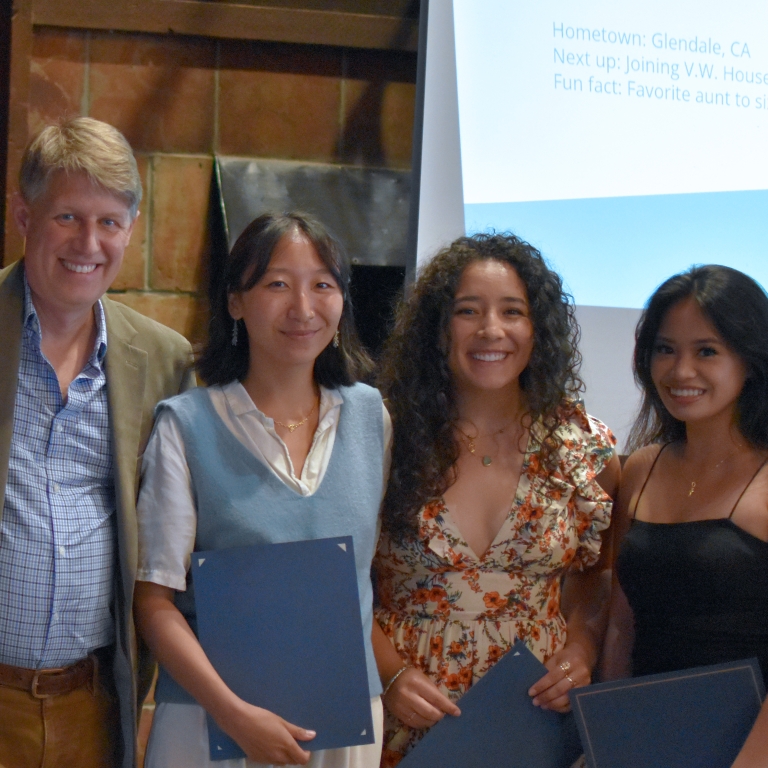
<point x="691" y="584"/>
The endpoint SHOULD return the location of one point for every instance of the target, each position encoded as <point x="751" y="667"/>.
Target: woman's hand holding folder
<point x="262" y="735"/>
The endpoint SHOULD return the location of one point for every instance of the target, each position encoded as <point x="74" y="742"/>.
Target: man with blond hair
<point x="79" y="382"/>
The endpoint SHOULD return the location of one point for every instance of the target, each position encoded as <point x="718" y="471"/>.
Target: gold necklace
<point x="293" y="427"/>
<point x="693" y="482"/>
<point x="472" y="447"/>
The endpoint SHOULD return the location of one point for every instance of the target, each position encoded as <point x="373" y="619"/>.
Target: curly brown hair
<point x="417" y="381"/>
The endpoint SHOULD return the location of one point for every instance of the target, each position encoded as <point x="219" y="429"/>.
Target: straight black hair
<point x="737" y="307"/>
<point x="222" y="362"/>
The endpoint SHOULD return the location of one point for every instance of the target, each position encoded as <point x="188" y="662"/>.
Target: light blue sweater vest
<point x="240" y="501"/>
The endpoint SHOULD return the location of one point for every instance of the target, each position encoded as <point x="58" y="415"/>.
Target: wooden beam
<point x="233" y="21"/>
<point x="18" y="108"/>
<point x="6" y="14"/>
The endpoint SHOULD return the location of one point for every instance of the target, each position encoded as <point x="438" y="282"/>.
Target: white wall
<point x="441" y="204"/>
<point x="607" y="342"/>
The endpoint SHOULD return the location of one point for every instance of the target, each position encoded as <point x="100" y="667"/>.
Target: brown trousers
<point x="73" y="730"/>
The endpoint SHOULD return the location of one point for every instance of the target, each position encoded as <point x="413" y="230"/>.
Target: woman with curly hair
<point x="500" y="488"/>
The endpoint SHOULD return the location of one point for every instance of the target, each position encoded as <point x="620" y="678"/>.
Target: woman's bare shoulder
<point x="633" y="476"/>
<point x="638" y="465"/>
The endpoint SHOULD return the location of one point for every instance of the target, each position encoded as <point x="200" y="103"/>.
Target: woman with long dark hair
<point x="500" y="489"/>
<point x="282" y="445"/>
<point x="692" y="514"/>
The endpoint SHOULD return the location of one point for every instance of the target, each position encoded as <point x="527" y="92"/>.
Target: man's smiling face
<point x="76" y="234"/>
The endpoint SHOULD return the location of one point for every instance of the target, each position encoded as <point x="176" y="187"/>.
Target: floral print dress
<point x="454" y="615"/>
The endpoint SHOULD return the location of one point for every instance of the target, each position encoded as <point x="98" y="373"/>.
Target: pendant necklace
<point x="293" y="427"/>
<point x="693" y="482"/>
<point x="472" y="446"/>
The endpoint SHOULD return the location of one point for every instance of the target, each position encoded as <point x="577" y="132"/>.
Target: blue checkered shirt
<point x="57" y="539"/>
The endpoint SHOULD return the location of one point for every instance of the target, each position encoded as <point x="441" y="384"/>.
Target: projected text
<point x="659" y="66"/>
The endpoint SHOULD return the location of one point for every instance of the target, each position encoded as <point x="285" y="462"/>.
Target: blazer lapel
<point x="11" y="311"/>
<point x="126" y="368"/>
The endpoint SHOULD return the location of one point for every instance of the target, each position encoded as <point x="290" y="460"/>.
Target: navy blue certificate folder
<point x="281" y="624"/>
<point x="499" y="727"/>
<point x="688" y="719"/>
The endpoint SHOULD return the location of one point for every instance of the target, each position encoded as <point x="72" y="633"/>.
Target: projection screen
<point x="626" y="141"/>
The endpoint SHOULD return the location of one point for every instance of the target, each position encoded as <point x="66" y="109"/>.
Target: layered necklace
<point x="471" y="442"/>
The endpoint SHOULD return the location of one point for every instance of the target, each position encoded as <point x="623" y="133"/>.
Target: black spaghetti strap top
<point x="698" y="591"/>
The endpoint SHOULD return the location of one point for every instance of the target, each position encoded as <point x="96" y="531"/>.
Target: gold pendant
<point x="693" y="488"/>
<point x="471" y="446"/>
<point x="487" y="461"/>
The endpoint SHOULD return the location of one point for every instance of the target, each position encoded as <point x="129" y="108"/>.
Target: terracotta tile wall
<point x="180" y="100"/>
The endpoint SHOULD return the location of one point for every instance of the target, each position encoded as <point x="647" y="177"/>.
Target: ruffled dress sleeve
<point x="587" y="447"/>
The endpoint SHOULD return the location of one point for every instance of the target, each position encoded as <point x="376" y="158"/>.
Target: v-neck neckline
<point x="250" y="458"/>
<point x="451" y="522"/>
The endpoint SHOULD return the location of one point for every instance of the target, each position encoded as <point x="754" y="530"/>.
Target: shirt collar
<point x="32" y="321"/>
<point x="240" y="402"/>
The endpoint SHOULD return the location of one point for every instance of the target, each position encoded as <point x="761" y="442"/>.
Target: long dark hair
<point x="738" y="309"/>
<point x="418" y="383"/>
<point x="220" y="361"/>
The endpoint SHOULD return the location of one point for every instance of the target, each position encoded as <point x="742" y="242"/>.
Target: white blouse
<point x="167" y="516"/>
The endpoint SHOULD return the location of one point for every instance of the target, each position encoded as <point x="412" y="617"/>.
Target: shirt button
<point x="55" y="487"/>
<point x="59" y="428"/>
<point x="62" y="551"/>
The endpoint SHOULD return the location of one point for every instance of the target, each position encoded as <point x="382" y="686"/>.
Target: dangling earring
<point x="336" y="339"/>
<point x="234" y="334"/>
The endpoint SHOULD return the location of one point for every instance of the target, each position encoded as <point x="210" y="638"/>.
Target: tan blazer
<point x="145" y="363"/>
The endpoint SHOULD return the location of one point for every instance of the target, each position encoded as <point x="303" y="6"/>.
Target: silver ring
<point x="570" y="680"/>
<point x="565" y="666"/>
<point x="411" y="716"/>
